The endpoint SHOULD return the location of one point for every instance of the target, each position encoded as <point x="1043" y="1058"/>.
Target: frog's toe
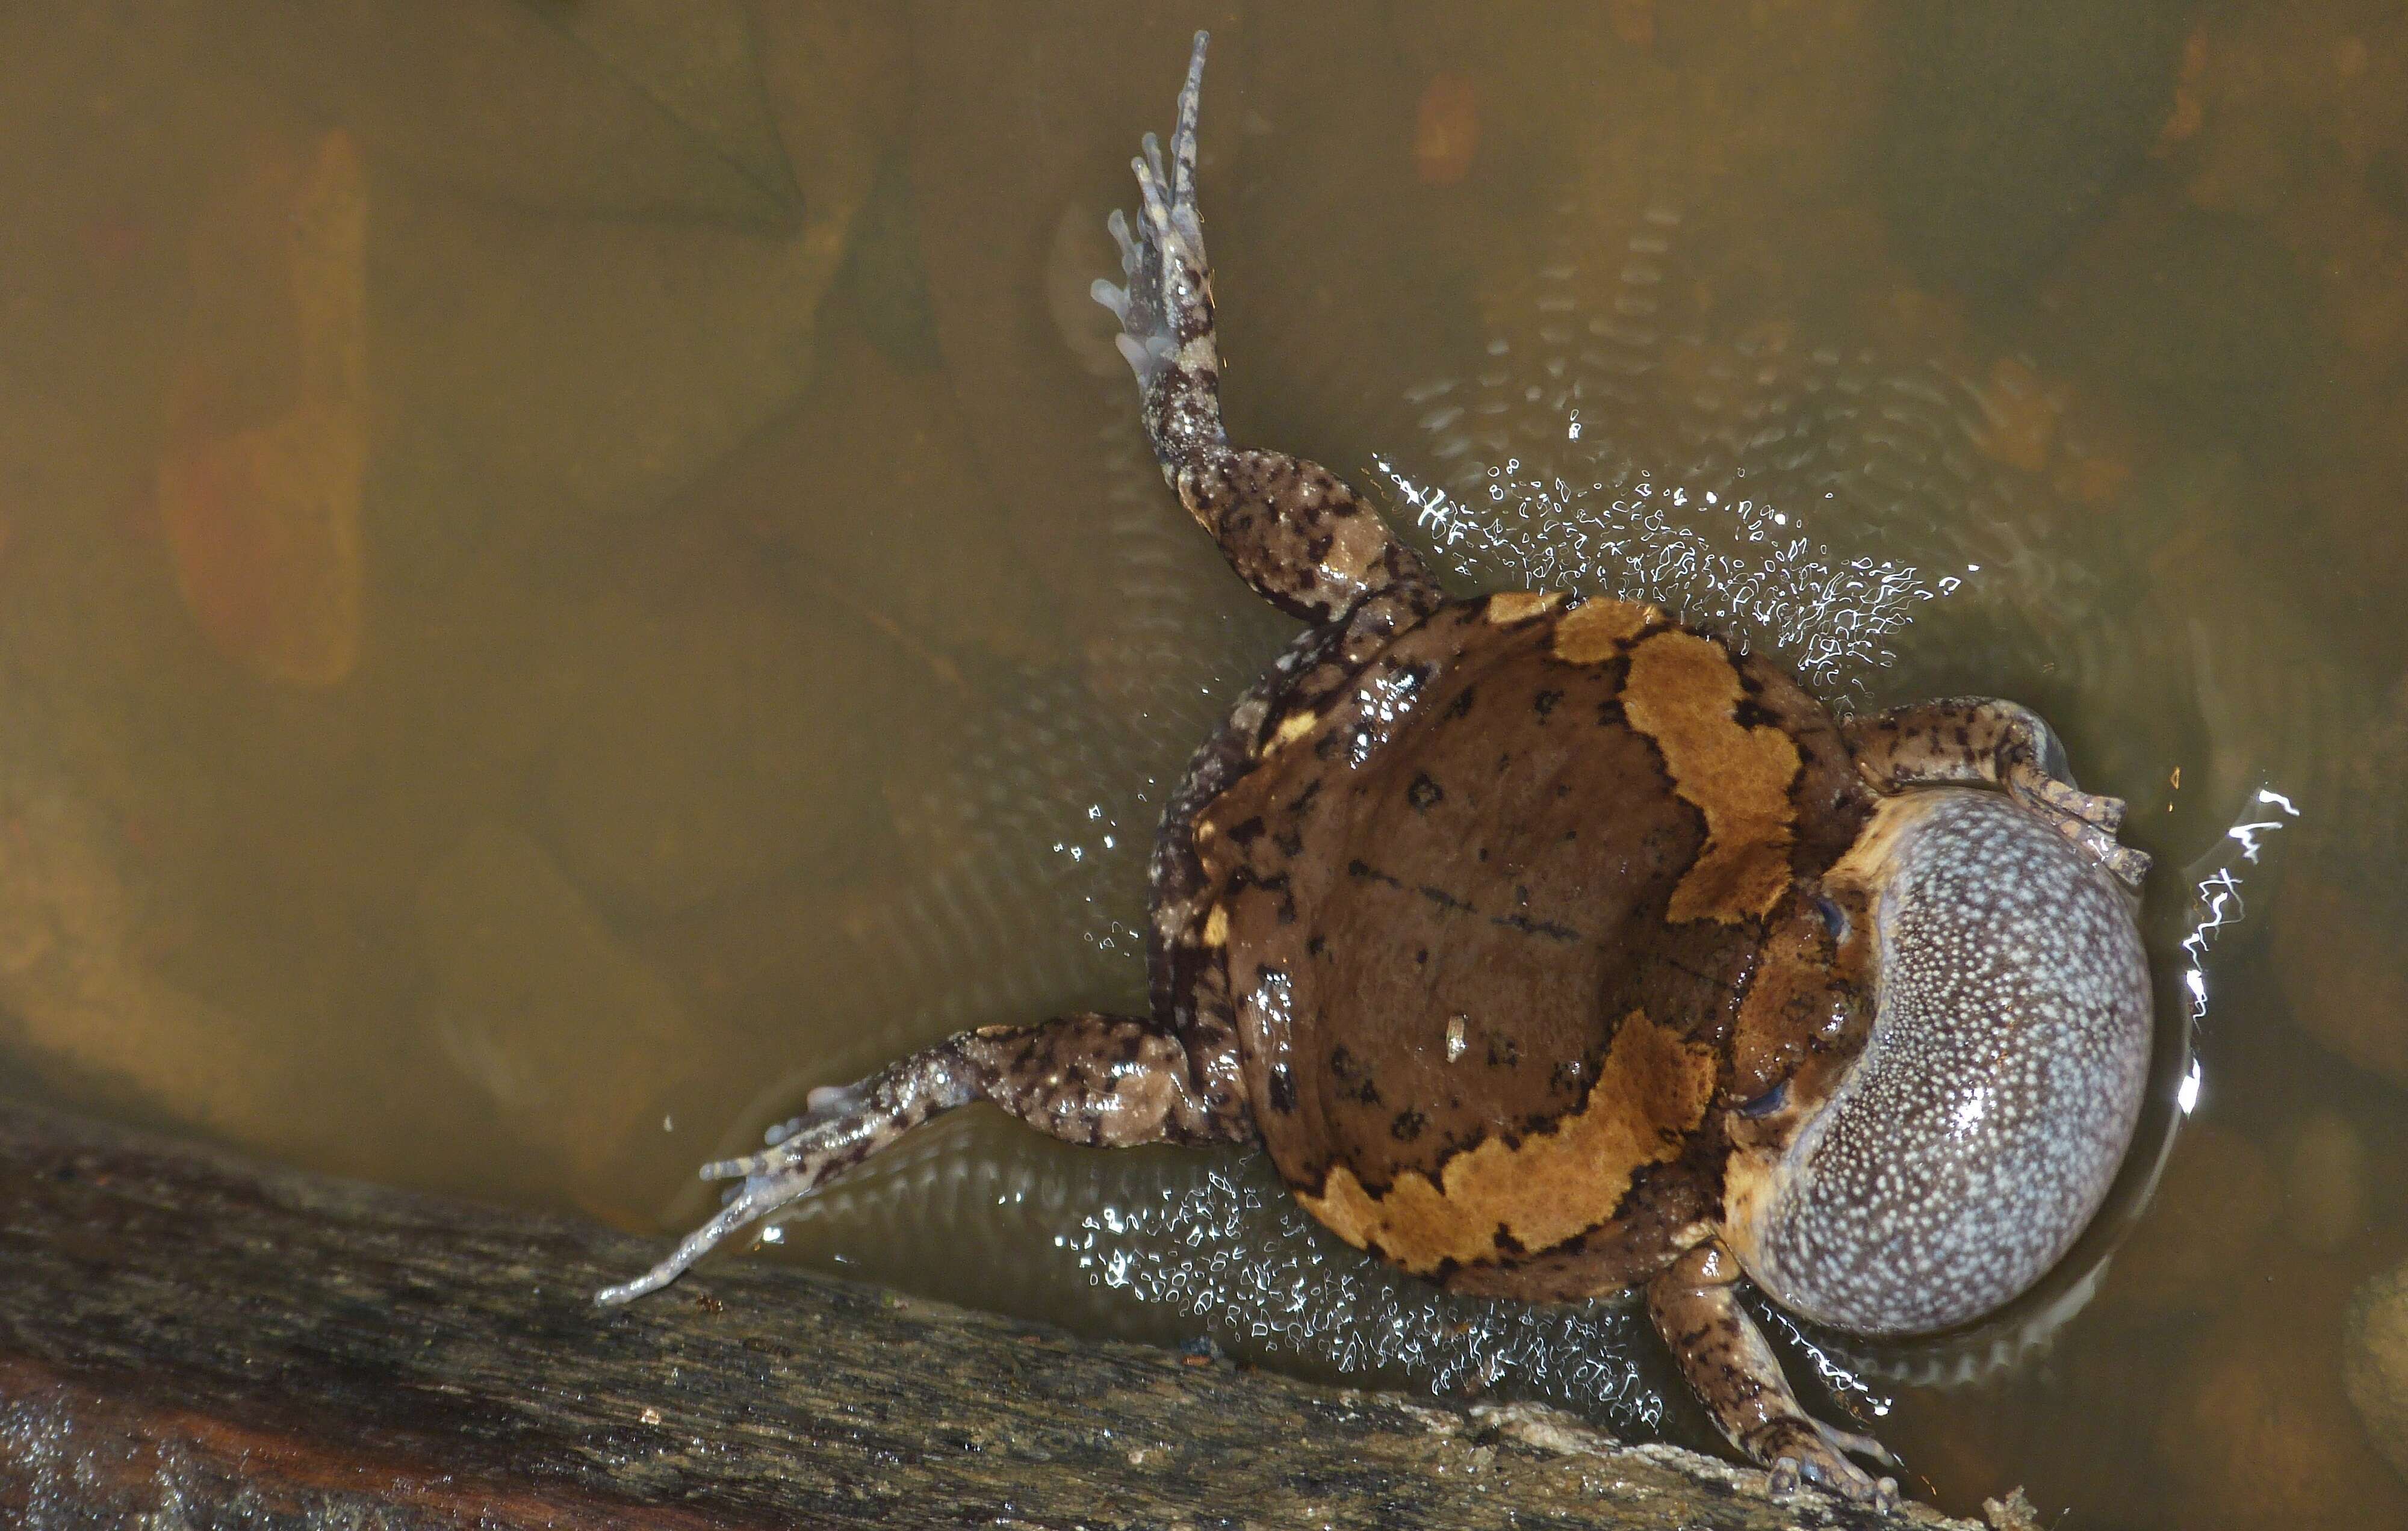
<point x="2040" y="789"/>
<point x="1164" y="302"/>
<point x="1836" y="1475"/>
<point x="824" y="1102"/>
<point x="2131" y="866"/>
<point x="1145" y="347"/>
<point x="1810" y="1452"/>
<point x="2089" y="819"/>
<point x="1856" y="1445"/>
<point x="2126" y="865"/>
<point x="759" y="1196"/>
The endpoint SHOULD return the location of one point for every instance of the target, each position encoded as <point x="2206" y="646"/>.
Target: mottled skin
<point x="1553" y="949"/>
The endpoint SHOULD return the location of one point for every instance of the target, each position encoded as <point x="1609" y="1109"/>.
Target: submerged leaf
<point x="262" y="513"/>
<point x="625" y="108"/>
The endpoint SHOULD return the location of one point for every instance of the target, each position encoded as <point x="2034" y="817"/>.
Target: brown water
<point x="571" y="572"/>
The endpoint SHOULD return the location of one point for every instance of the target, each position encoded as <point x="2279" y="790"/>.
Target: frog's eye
<point x="1767" y="1103"/>
<point x="1835" y="920"/>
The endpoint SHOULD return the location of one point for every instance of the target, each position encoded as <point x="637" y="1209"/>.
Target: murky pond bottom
<point x="536" y="633"/>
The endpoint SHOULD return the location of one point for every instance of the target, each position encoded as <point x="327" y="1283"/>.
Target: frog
<point x="1556" y="949"/>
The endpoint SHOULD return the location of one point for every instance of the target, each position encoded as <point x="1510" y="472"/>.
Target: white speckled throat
<point x="1995" y="1098"/>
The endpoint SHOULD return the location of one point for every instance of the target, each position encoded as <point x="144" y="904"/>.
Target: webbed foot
<point x="1967" y="740"/>
<point x="1294" y="530"/>
<point x="1694" y="1304"/>
<point x="1165" y="307"/>
<point x="2086" y="819"/>
<point x="1799" y="1449"/>
<point x="842" y="1125"/>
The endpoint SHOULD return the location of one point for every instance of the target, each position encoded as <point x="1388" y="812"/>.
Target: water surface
<point x="568" y="574"/>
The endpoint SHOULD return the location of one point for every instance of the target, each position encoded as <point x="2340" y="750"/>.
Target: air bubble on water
<point x="1832" y="619"/>
<point x="1236" y="1255"/>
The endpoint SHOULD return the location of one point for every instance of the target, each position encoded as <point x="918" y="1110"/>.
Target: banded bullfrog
<point x="1553" y="948"/>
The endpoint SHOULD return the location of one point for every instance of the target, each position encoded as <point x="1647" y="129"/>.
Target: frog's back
<point x="1483" y="912"/>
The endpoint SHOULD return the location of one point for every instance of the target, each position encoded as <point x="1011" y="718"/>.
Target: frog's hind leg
<point x="1295" y="531"/>
<point x="1981" y="739"/>
<point x="1098" y="1080"/>
<point x="1694" y="1304"/>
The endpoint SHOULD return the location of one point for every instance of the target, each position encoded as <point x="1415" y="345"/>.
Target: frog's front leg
<point x="1694" y="1304"/>
<point x="1979" y="740"/>
<point x="1098" y="1080"/>
<point x="1295" y="531"/>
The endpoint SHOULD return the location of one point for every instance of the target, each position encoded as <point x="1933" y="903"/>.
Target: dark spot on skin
<point x="1442" y="898"/>
<point x="1289" y="843"/>
<point x="1421" y="957"/>
<point x="1424" y="794"/>
<point x="1751" y="714"/>
<point x="1504" y="1052"/>
<point x="1545" y="701"/>
<point x="1407" y="1127"/>
<point x="1342" y="1063"/>
<point x="1522" y="895"/>
<point x="1566" y="1076"/>
<point x="1364" y="870"/>
<point x="1369" y="1094"/>
<point x="1610" y="715"/>
<point x="1507" y="1245"/>
<point x="1528" y="926"/>
<point x="1460" y="706"/>
<point x="1316" y="947"/>
<point x="1282" y="1089"/>
<point x="1244" y="833"/>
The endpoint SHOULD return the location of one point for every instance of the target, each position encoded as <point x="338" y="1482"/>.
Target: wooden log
<point x="187" y="1337"/>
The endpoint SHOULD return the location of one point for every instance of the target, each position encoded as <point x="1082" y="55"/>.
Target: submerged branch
<point x="189" y="1337"/>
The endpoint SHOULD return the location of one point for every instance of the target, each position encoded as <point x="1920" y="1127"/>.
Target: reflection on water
<point x="535" y="635"/>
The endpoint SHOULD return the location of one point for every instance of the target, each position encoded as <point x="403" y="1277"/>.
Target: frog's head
<point x="1993" y="972"/>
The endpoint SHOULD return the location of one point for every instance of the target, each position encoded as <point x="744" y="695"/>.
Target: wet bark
<point x="213" y="1343"/>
